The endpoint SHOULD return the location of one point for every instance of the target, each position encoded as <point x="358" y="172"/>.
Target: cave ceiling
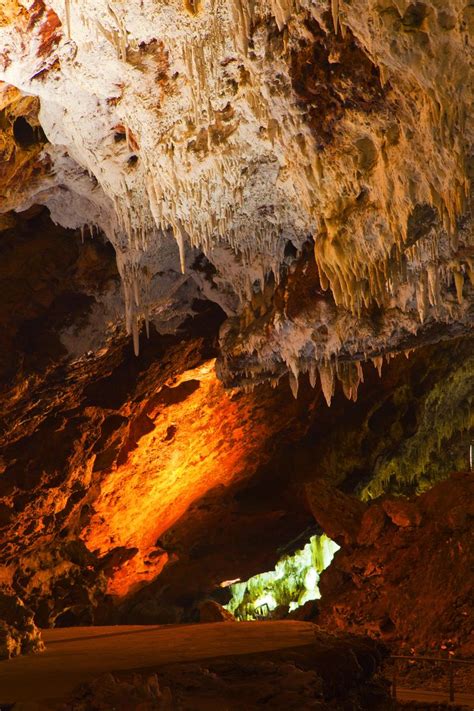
<point x="218" y="145"/>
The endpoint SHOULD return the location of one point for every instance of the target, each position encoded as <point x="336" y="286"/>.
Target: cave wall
<point x="132" y="487"/>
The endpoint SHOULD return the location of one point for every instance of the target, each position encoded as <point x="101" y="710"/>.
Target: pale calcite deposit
<point x="244" y="128"/>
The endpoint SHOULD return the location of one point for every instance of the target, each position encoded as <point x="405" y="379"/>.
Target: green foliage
<point x="293" y="582"/>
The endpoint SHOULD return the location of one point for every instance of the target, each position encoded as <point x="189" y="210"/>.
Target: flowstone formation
<point x="254" y="134"/>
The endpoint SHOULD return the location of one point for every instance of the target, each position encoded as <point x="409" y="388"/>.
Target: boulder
<point x="308" y="611"/>
<point x="211" y="611"/>
<point x="339" y="515"/>
<point x="372" y="525"/>
<point x="18" y="632"/>
<point x="403" y="513"/>
<point x="413" y="583"/>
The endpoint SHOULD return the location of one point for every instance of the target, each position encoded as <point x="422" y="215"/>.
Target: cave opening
<point x="292" y="583"/>
<point x="25" y="134"/>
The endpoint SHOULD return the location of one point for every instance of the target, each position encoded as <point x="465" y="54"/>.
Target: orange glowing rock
<point x="201" y="437"/>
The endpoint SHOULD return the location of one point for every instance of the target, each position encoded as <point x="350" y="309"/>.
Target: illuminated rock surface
<point x="18" y="632"/>
<point x="293" y="583"/>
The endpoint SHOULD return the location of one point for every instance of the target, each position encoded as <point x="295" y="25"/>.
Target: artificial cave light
<point x="292" y="583"/>
<point x="228" y="583"/>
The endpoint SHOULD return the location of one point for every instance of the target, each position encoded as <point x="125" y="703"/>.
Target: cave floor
<point x="77" y="654"/>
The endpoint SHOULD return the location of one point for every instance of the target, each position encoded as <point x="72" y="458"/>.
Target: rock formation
<point x="18" y="631"/>
<point x="245" y="130"/>
<point x="405" y="577"/>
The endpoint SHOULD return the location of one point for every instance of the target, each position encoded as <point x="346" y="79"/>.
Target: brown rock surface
<point x="142" y="478"/>
<point x="371" y="526"/>
<point x="22" y="167"/>
<point x="411" y="585"/>
<point x="402" y="513"/>
<point x="120" y="471"/>
<point x="339" y="516"/>
<point x="211" y="611"/>
<point x="18" y="631"/>
<point x="332" y="673"/>
<point x="104" y="453"/>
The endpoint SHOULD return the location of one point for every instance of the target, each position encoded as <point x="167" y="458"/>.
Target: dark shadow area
<point x="26" y="135"/>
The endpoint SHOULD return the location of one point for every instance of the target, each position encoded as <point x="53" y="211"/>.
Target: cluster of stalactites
<point x="419" y="267"/>
<point x="350" y="374"/>
<point x="355" y="279"/>
<point x="360" y="275"/>
<point x="135" y="280"/>
<point x="115" y="34"/>
<point x="427" y="287"/>
<point x="167" y="181"/>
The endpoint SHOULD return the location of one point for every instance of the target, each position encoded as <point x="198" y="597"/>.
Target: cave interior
<point x="236" y="355"/>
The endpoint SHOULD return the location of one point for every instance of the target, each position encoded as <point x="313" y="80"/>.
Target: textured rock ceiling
<point x="234" y="138"/>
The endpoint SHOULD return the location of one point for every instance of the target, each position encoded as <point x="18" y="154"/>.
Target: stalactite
<point x="119" y="35"/>
<point x="282" y="10"/>
<point x="136" y="336"/>
<point x="378" y="364"/>
<point x="67" y="10"/>
<point x="459" y="283"/>
<point x="422" y="298"/>
<point x="335" y="14"/>
<point x="293" y="384"/>
<point x="179" y="236"/>
<point x="326" y="374"/>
